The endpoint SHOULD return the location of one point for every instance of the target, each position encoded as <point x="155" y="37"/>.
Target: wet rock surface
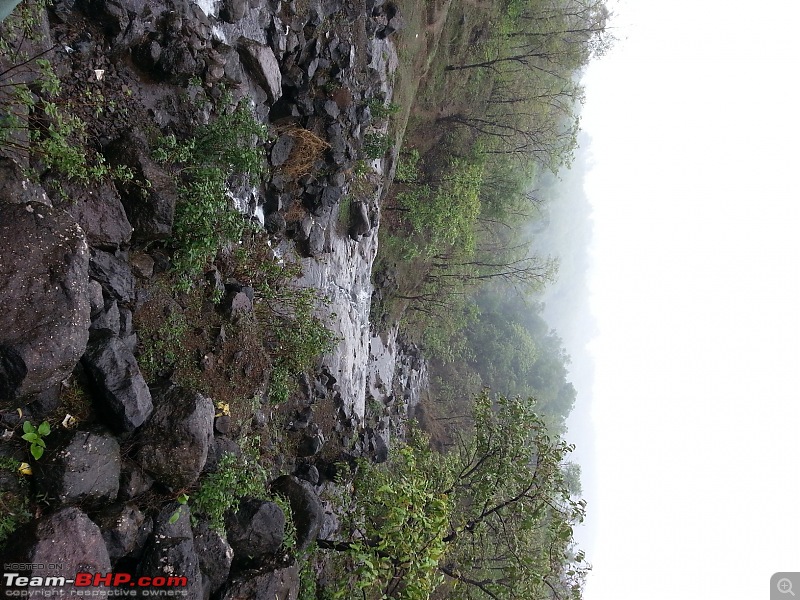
<point x="44" y="281"/>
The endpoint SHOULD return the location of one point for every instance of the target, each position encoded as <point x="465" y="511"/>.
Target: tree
<point x="490" y="520"/>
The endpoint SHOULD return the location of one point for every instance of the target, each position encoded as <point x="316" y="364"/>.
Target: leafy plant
<point x="376" y="145"/>
<point x="35" y="121"/>
<point x="407" y="170"/>
<point x="34" y="435"/>
<point x="204" y="218"/>
<point x="181" y="500"/>
<point x="380" y="110"/>
<point x="235" y="478"/>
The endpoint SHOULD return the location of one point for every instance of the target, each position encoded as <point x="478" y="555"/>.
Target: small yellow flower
<point x="25" y="469"/>
<point x="223" y="408"/>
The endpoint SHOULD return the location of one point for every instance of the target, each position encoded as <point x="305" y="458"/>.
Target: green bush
<point x="36" y="122"/>
<point x="204" y="218"/>
<point x="380" y="110"/>
<point x="376" y="145"/>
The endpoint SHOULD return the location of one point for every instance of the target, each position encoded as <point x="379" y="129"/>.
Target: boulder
<point x="306" y="508"/>
<point x="98" y="210"/>
<point x="16" y="188"/>
<point x="44" y="286"/>
<point x="133" y="481"/>
<point x="215" y="557"/>
<point x="174" y="443"/>
<point x="151" y="209"/>
<point x="125" y="530"/>
<point x="360" y="224"/>
<point x="123" y="392"/>
<point x="85" y="469"/>
<point x="114" y="274"/>
<point x="267" y="584"/>
<point x="171" y="549"/>
<point x="66" y="538"/>
<point x="255" y="532"/>
<point x="259" y="60"/>
<point x="281" y="150"/>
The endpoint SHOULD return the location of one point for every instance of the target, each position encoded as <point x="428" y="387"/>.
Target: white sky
<point x="696" y="400"/>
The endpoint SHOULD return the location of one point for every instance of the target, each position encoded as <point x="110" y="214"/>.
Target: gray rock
<point x="281" y="150"/>
<point x="268" y="584"/>
<point x="306" y="507"/>
<point x="142" y="264"/>
<point x="125" y="530"/>
<point x="67" y="538"/>
<point x="255" y="532"/>
<point x="16" y="188"/>
<point x="44" y="277"/>
<point x="174" y="443"/>
<point x="171" y="549"/>
<point x="215" y="556"/>
<point x="150" y="210"/>
<point x="107" y="319"/>
<point x="115" y="372"/>
<point x="113" y="273"/>
<point x="133" y="482"/>
<point x="98" y="210"/>
<point x="86" y="469"/>
<point x="259" y="60"/>
<point x="274" y="223"/>
<point x="360" y="224"/>
<point x="331" y="195"/>
<point x="233" y="10"/>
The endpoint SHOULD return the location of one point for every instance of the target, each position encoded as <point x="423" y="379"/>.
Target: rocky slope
<point x="80" y="271"/>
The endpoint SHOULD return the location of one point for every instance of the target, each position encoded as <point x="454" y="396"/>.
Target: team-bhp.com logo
<point x="92" y="584"/>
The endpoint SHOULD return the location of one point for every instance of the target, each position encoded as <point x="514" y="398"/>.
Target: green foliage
<point x="445" y="214"/>
<point x="380" y="110"/>
<point x="35" y="121"/>
<point x="165" y="347"/>
<point x="295" y="335"/>
<point x="221" y="491"/>
<point x="204" y="219"/>
<point x="33" y="435"/>
<point x="376" y="145"/>
<point x="407" y="170"/>
<point x="182" y="500"/>
<point x="13" y="506"/>
<point x="405" y="518"/>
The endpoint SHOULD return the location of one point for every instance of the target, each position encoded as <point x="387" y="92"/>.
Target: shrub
<point x="204" y="217"/>
<point x="376" y="145"/>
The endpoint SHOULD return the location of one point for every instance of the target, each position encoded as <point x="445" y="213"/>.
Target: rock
<point x="331" y="196"/>
<point x="215" y="557"/>
<point x="236" y="305"/>
<point x="281" y="150"/>
<point x="12" y="372"/>
<point x="255" y="532"/>
<point x="98" y="210"/>
<point x="107" y="319"/>
<point x="280" y="583"/>
<point x="113" y="273"/>
<point x="150" y="210"/>
<point x="174" y="443"/>
<point x="142" y="264"/>
<point x="311" y="443"/>
<point x="360" y="224"/>
<point x="331" y="108"/>
<point x="275" y="223"/>
<point x="171" y="549"/>
<point x="85" y="470"/>
<point x="125" y="530"/>
<point x="260" y="62"/>
<point x="306" y="508"/>
<point x="44" y="277"/>
<point x="233" y="10"/>
<point x="16" y="188"/>
<point x="221" y="446"/>
<point x="97" y="304"/>
<point x="222" y="424"/>
<point x="115" y="372"/>
<point x="66" y="538"/>
<point x="308" y="473"/>
<point x="133" y="482"/>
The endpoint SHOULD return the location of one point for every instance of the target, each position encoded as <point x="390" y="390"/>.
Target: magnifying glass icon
<point x="785" y="586"/>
